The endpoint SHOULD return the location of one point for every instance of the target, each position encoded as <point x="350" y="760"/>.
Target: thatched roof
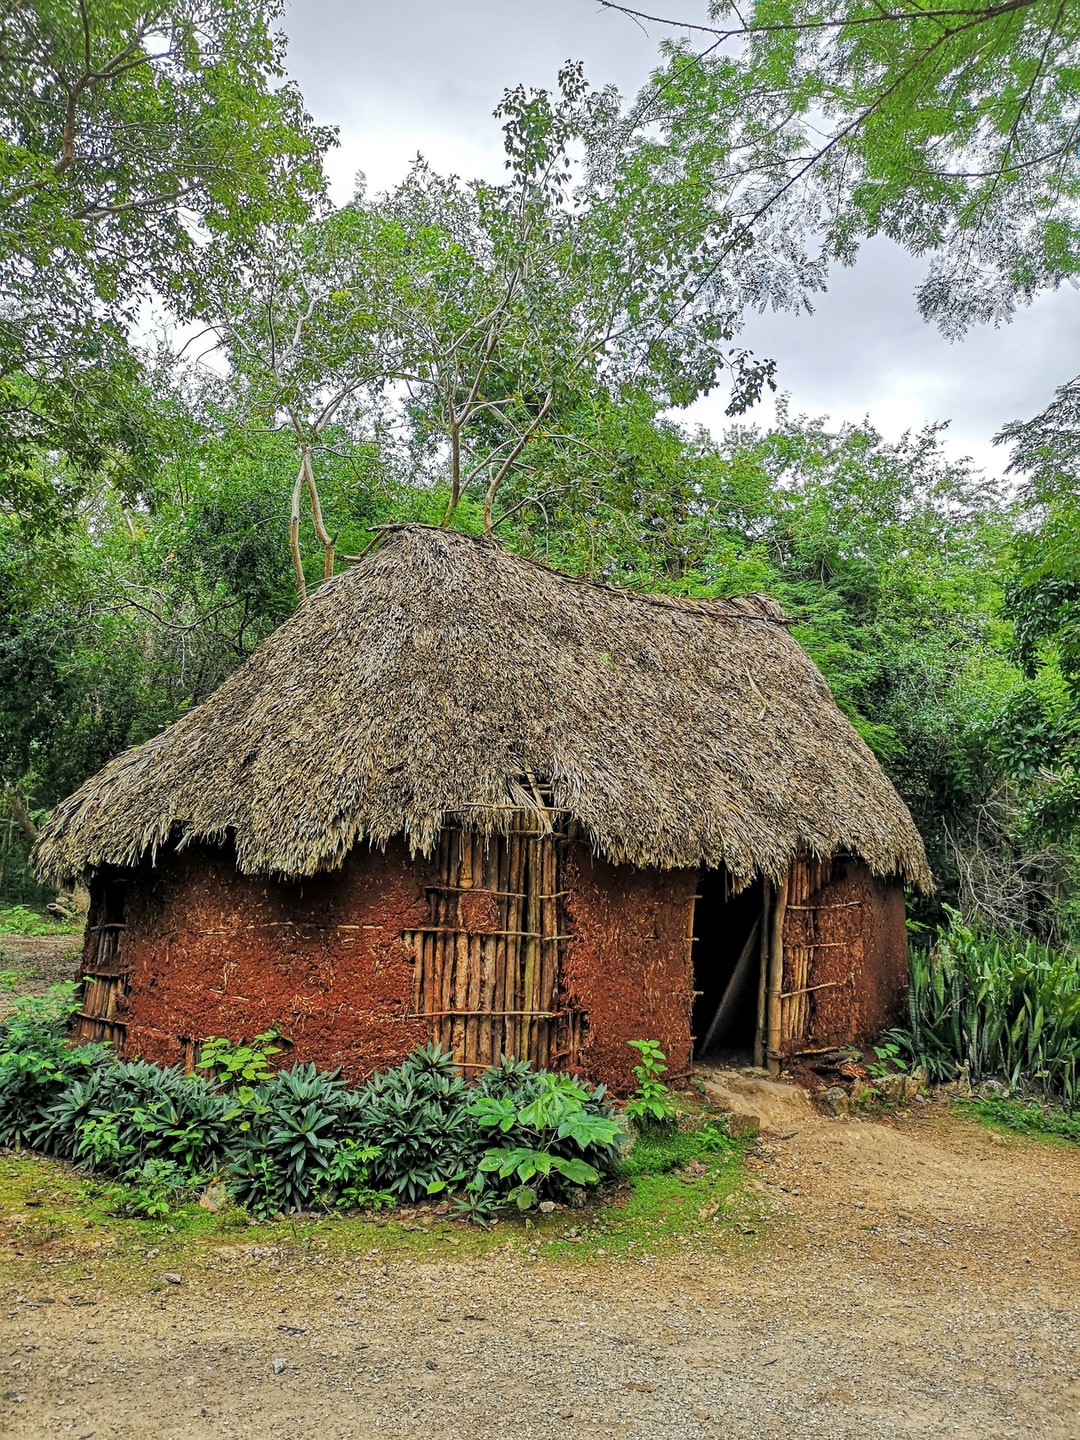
<point x="443" y="678"/>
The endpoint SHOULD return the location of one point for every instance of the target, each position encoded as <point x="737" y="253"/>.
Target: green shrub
<point x="153" y="1190"/>
<point x="240" y="1067"/>
<point x="36" y="1062"/>
<point x="1008" y="1008"/>
<point x="283" y="1160"/>
<point x="541" y="1134"/>
<point x="300" y="1138"/>
<point x="417" y="1117"/>
<point x="21" y="920"/>
<point x="1027" y="1118"/>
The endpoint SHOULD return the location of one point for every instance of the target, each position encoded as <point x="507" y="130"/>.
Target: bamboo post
<point x="514" y="998"/>
<point x="799" y="955"/>
<point x="460" y="1027"/>
<point x="776" y="979"/>
<point x="501" y="943"/>
<point x="532" y="945"/>
<point x="763" y="975"/>
<point x="444" y="945"/>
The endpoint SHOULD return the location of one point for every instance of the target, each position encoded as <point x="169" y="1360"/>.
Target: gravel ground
<point x="915" y="1280"/>
<point x="44" y="960"/>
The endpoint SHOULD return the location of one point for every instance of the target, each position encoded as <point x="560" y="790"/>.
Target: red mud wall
<point x="859" y="920"/>
<point x="214" y="952"/>
<point x="627" y="962"/>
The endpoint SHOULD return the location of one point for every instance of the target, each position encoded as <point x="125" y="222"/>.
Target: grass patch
<point x="21" y="920"/>
<point x="1025" y="1117"/>
<point x="60" y="1226"/>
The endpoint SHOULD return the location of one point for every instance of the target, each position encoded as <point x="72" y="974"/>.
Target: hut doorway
<point x="727" y="967"/>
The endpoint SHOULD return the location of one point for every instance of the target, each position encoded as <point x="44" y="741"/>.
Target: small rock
<point x="171" y="1277"/>
<point x="993" y="1089"/>
<point x="834" y="1100"/>
<point x="279" y="1364"/>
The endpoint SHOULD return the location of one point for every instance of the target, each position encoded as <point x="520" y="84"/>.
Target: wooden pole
<point x="776" y="980"/>
<point x="763" y="975"/>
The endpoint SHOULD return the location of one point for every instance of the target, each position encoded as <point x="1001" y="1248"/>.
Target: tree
<point x="463" y="324"/>
<point x="1037" y="738"/>
<point x="951" y="126"/>
<point x="141" y="145"/>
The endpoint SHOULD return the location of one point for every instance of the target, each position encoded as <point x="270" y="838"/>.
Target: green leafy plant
<point x="554" y="1133"/>
<point x="152" y="1191"/>
<point x="348" y="1178"/>
<point x="417" y="1117"/>
<point x="999" y="1006"/>
<point x="889" y="1060"/>
<point x="241" y="1065"/>
<point x="285" y="1160"/>
<point x="21" y="920"/>
<point x="652" y="1102"/>
<point x="37" y="1063"/>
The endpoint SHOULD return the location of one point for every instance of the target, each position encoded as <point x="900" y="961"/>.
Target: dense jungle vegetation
<point x="514" y="354"/>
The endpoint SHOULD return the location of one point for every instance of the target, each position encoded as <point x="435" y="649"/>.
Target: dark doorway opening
<point x="727" y="966"/>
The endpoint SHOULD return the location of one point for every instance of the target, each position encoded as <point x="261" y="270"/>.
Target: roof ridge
<point x="717" y="607"/>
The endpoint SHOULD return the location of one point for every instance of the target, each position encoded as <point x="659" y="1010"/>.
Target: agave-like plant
<point x="1001" y="1006"/>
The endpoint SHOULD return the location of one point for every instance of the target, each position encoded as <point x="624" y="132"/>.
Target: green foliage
<point x="284" y="1160"/>
<point x="36" y="1063"/>
<point x="417" y="1117"/>
<point x="551" y="1132"/>
<point x="122" y="125"/>
<point x="651" y="1103"/>
<point x="997" y="1007"/>
<point x="349" y="1178"/>
<point x="21" y="920"/>
<point x="889" y="1059"/>
<point x="154" y="1190"/>
<point x="241" y="1067"/>
<point x="951" y="130"/>
<point x="301" y="1138"/>
<point x="660" y="1150"/>
<point x="1025" y="1117"/>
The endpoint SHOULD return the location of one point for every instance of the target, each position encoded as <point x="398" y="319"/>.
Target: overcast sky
<point x="425" y="75"/>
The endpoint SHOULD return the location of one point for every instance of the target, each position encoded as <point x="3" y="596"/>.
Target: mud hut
<point x="461" y="796"/>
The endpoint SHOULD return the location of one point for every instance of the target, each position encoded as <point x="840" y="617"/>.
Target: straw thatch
<point x="445" y="679"/>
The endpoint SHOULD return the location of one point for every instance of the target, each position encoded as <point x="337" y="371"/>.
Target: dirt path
<point x="43" y="960"/>
<point x="915" y="1280"/>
